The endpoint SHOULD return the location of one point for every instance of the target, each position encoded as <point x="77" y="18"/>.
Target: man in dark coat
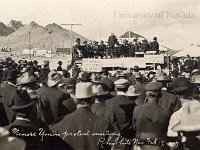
<point x="82" y="121"/>
<point x="188" y="64"/>
<point x="112" y="40"/>
<point x="54" y="95"/>
<point x="168" y="100"/>
<point x="122" y="107"/>
<point x="9" y="93"/>
<point x="154" y="45"/>
<point x="145" y="46"/>
<point x="140" y="87"/>
<point x="29" y="128"/>
<point x="150" y="120"/>
<point x="59" y="68"/>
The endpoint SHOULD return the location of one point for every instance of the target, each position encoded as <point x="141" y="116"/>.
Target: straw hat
<point x="53" y="78"/>
<point x="190" y="121"/>
<point x="132" y="92"/>
<point x="84" y="90"/>
<point x="98" y="90"/>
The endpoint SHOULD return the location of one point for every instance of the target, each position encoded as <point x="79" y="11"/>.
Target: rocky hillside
<point x="39" y="37"/>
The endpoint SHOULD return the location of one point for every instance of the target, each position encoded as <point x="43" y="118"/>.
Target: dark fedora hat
<point x="22" y="101"/>
<point x="181" y="84"/>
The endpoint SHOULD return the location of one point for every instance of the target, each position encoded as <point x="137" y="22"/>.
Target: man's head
<point x="121" y="85"/>
<point x="153" y="91"/>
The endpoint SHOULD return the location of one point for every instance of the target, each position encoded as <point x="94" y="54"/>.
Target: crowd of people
<point x="44" y="109"/>
<point x="113" y="48"/>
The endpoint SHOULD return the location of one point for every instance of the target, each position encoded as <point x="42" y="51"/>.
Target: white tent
<point x="192" y="50"/>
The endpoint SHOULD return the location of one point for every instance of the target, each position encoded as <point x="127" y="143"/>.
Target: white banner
<point x="131" y="62"/>
<point x="92" y="65"/>
<point x="111" y="63"/>
<point x="155" y="59"/>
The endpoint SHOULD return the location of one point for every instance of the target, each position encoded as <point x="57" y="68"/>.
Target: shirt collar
<point x="11" y="84"/>
<point x="21" y="118"/>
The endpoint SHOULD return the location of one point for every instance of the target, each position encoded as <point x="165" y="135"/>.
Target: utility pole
<point x="29" y="42"/>
<point x="51" y="43"/>
<point x="71" y="51"/>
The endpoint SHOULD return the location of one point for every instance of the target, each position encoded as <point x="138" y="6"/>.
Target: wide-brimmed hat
<point x="181" y="84"/>
<point x="121" y="83"/>
<point x="190" y="121"/>
<point x="10" y="143"/>
<point x="26" y="78"/>
<point x="150" y="72"/>
<point x="132" y="91"/>
<point x="84" y="90"/>
<point x="195" y="71"/>
<point x="98" y="90"/>
<point x="22" y="101"/>
<point x="163" y="77"/>
<point x="153" y="86"/>
<point x="53" y="78"/>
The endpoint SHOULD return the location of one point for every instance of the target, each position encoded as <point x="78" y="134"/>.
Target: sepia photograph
<point x="99" y="75"/>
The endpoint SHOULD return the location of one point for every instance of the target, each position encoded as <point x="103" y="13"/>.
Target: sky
<point x="175" y="23"/>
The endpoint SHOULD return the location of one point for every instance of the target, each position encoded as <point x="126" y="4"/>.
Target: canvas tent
<point x="192" y="50"/>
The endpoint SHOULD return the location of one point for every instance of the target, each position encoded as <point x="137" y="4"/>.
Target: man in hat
<point x="59" y="68"/>
<point x="112" y="40"/>
<point x="122" y="107"/>
<point x="188" y="64"/>
<point x="167" y="100"/>
<point x="134" y="48"/>
<point x="140" y="86"/>
<point x="188" y="128"/>
<point x="8" y="93"/>
<point x="184" y="90"/>
<point x="105" y="80"/>
<point x="145" y="46"/>
<point x="54" y="95"/>
<point x="99" y="108"/>
<point x="69" y="87"/>
<point x="154" y="45"/>
<point x="30" y="126"/>
<point x="150" y="120"/>
<point x="28" y="82"/>
<point x="82" y="121"/>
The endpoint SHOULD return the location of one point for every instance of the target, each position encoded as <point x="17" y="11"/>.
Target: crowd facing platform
<point x="113" y="48"/>
<point x="44" y="109"/>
